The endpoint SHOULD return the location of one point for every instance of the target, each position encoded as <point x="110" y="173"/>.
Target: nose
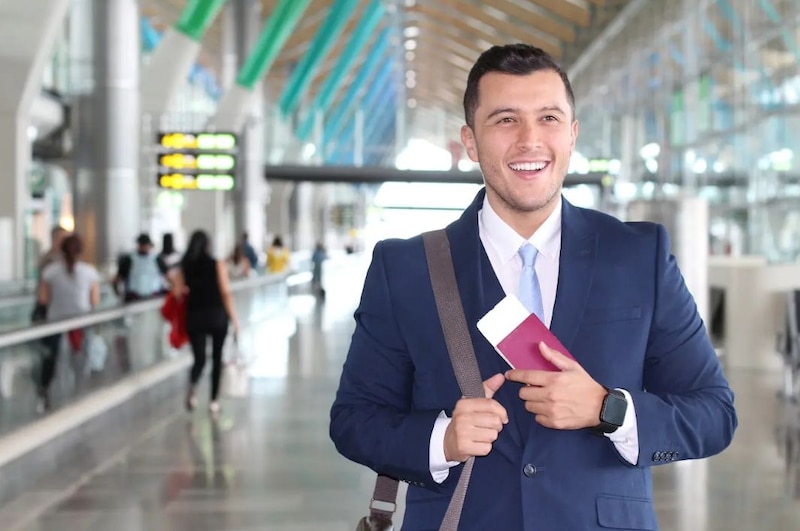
<point x="529" y="136"/>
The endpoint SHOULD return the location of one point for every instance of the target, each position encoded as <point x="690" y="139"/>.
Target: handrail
<point x="24" y="334"/>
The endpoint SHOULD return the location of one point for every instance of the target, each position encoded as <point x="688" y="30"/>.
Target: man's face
<point x="523" y="136"/>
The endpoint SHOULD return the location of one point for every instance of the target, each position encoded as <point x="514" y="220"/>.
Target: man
<point x="569" y="450"/>
<point x="249" y="252"/>
<point x="139" y="272"/>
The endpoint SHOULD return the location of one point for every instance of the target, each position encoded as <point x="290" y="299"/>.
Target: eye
<point x="505" y="120"/>
<point x="550" y="118"/>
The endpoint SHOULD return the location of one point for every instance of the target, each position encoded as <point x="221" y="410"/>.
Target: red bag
<point x="174" y="311"/>
<point x="75" y="338"/>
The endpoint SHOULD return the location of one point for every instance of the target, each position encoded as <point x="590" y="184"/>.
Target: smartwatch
<point x="612" y="413"/>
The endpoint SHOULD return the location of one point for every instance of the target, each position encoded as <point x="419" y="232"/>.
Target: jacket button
<point x="657" y="456"/>
<point x="529" y="470"/>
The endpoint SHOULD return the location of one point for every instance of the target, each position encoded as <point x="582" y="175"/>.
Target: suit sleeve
<point x="373" y="421"/>
<point x="686" y="408"/>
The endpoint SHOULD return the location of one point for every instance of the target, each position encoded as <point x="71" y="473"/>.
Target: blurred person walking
<point x="203" y="280"/>
<point x="68" y="287"/>
<point x="317" y="258"/>
<point x="139" y="272"/>
<point x="169" y="258"/>
<point x="239" y="263"/>
<point x="277" y="257"/>
<point x="249" y="251"/>
<point x="57" y="235"/>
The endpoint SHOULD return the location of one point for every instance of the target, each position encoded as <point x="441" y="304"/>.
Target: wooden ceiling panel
<point x="515" y="32"/>
<point x="575" y="11"/>
<point x="527" y="15"/>
<point x="451" y="35"/>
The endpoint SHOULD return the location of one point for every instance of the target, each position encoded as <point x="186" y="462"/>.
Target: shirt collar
<point x="506" y="242"/>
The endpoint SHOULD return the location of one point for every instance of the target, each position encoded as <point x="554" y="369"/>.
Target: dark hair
<point x="143" y="239"/>
<point x="198" y="246"/>
<point x="238" y="253"/>
<point x="56" y="230"/>
<point x="71" y="249"/>
<point x="167" y="244"/>
<point x="515" y="59"/>
<point x="277" y="242"/>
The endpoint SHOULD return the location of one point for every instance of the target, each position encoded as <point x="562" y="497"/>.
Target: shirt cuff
<point x="626" y="437"/>
<point x="439" y="465"/>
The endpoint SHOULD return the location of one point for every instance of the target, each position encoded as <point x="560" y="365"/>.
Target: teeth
<point x="527" y="166"/>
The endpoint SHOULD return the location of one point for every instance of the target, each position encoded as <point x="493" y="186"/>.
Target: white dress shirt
<point x="502" y="244"/>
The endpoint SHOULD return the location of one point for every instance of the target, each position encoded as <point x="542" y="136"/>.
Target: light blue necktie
<point x="530" y="294"/>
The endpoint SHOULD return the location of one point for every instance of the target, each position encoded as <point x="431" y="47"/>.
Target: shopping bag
<point x="75" y="340"/>
<point x="235" y="377"/>
<point x="96" y="353"/>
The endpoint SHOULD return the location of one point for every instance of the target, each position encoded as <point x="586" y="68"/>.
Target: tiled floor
<point x="267" y="463"/>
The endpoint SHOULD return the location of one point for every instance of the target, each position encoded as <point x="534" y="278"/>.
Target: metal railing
<point x="24" y="334"/>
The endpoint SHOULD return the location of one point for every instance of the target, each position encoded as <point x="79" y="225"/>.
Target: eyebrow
<point x="546" y="108"/>
<point x="553" y="108"/>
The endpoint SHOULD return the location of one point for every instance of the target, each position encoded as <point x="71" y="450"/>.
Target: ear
<point x="468" y="139"/>
<point x="574" y="135"/>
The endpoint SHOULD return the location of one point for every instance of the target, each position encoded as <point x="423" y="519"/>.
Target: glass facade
<point x="701" y="98"/>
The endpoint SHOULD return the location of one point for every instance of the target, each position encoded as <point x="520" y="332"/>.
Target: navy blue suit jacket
<point x="622" y="309"/>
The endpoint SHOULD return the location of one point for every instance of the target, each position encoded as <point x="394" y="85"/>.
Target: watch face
<point x="614" y="409"/>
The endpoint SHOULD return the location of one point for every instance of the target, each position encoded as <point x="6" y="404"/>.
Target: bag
<point x="39" y="312"/>
<point x="235" y="377"/>
<point x="75" y="339"/>
<point x="369" y="523"/>
<point x="96" y="353"/>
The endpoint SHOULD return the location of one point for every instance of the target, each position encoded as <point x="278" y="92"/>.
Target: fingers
<point x="493" y="384"/>
<point x="537" y="378"/>
<point x="472" y="406"/>
<point x="556" y="358"/>
<point x="476" y="423"/>
<point x="471" y="433"/>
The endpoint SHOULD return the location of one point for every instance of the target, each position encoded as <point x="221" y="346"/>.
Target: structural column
<point x="30" y="29"/>
<point x="250" y="195"/>
<point x="107" y="191"/>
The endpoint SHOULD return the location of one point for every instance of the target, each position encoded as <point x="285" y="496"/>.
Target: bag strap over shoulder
<point x="465" y="365"/>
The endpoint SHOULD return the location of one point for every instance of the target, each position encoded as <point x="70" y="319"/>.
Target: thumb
<point x="555" y="357"/>
<point x="494" y="383"/>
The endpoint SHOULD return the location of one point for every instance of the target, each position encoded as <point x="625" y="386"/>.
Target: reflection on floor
<point x="266" y="463"/>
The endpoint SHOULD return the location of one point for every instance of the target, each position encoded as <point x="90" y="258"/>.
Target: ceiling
<point x="449" y="36"/>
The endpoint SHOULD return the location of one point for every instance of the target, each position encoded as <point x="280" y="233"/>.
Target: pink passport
<point x="516" y="333"/>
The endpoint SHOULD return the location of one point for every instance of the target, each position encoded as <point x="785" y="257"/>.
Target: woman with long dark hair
<point x="68" y="287"/>
<point x="209" y="309"/>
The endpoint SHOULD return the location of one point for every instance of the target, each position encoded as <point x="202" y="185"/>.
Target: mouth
<point x="528" y="169"/>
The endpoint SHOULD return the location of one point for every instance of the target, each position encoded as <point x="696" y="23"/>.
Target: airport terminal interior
<point x="296" y="135"/>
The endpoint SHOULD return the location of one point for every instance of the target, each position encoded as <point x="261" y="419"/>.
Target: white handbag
<point x="235" y="377"/>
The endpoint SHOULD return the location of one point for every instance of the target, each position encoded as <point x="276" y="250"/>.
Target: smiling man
<point x="565" y="450"/>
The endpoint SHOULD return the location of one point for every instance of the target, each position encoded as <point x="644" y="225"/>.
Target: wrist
<point x="612" y="412"/>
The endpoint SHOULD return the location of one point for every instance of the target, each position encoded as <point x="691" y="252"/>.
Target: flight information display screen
<point x="197" y="160"/>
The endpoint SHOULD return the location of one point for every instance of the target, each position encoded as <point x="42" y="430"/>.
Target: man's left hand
<point x="568" y="399"/>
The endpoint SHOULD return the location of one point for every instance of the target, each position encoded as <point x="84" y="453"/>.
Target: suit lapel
<point x="575" y="275"/>
<point x="480" y="291"/>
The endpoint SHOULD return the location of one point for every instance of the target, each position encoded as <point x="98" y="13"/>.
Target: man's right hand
<point x="475" y="424"/>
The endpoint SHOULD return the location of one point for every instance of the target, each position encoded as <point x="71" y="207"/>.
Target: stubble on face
<point x="516" y="201"/>
<point x="522" y="119"/>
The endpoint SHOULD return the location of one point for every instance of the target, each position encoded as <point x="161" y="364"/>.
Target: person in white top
<point x="569" y="449"/>
<point x="68" y="287"/>
<point x="238" y="264"/>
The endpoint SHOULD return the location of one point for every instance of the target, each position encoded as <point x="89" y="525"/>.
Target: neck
<point x="524" y="223"/>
